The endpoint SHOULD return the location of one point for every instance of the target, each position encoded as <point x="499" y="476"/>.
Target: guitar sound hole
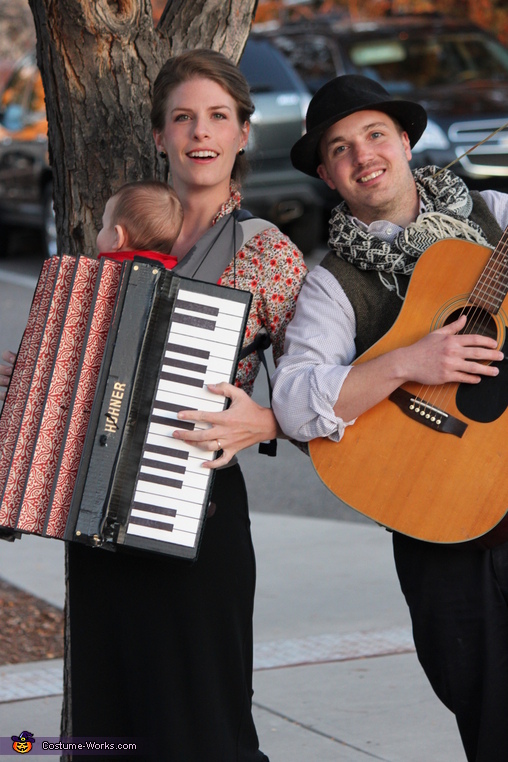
<point x="488" y="400"/>
<point x="479" y="321"/>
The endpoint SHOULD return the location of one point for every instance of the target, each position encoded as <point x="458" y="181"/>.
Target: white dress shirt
<point x="320" y="345"/>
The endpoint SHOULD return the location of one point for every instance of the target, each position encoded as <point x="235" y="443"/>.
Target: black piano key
<point x="171" y="452"/>
<point x="153" y="509"/>
<point x="205" y="325"/>
<point x="151" y="523"/>
<point x="187" y="380"/>
<point x="173" y="407"/>
<point x="163" y="465"/>
<point x="157" y="479"/>
<point x="183" y="350"/>
<point x="185" y="365"/>
<point x="187" y="425"/>
<point x="204" y="309"/>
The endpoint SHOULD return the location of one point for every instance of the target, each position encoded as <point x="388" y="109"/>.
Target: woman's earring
<point x="163" y="154"/>
<point x="241" y="152"/>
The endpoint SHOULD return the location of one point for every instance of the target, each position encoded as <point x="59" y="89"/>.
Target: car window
<point x="313" y="57"/>
<point x="409" y="62"/>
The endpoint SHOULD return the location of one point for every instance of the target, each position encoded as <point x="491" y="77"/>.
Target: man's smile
<point x="371" y="176"/>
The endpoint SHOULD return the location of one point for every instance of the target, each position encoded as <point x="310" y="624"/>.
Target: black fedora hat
<point x="344" y="96"/>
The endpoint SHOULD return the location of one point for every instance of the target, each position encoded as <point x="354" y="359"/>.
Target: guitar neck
<point x="492" y="286"/>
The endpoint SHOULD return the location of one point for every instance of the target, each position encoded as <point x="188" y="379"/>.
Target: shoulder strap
<point x="210" y="256"/>
<point x="249" y="226"/>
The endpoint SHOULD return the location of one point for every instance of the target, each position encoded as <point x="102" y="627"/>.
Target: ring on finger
<point x="219" y="447"/>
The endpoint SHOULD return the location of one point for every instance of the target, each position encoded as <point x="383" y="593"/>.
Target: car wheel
<point x="49" y="230"/>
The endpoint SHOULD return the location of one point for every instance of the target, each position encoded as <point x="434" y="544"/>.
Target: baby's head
<point x="141" y="216"/>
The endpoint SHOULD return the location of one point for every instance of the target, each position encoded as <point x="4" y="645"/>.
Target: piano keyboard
<point x="172" y="486"/>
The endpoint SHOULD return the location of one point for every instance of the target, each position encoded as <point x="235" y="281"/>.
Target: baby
<point x="144" y="216"/>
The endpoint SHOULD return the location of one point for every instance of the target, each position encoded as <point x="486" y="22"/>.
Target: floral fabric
<point x="271" y="267"/>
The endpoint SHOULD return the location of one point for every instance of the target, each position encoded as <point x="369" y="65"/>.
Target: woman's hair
<point x="150" y="213"/>
<point x="204" y="64"/>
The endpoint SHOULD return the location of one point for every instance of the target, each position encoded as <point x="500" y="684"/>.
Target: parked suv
<point x="456" y="70"/>
<point x="273" y="189"/>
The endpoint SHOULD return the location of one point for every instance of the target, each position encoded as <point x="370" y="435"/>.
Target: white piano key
<point x="214" y="406"/>
<point x="184" y="539"/>
<point x="227" y="306"/>
<point x="227" y="351"/>
<point x="219" y="336"/>
<point x="186" y="508"/>
<point x="173" y="387"/>
<point x="192" y="494"/>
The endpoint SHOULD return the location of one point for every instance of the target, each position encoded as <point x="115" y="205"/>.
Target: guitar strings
<point x="486" y="292"/>
<point x="477" y="323"/>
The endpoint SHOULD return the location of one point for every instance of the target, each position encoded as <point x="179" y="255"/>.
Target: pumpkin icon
<point x="23" y="743"/>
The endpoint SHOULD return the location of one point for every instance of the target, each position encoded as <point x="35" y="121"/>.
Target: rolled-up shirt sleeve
<point x="318" y="352"/>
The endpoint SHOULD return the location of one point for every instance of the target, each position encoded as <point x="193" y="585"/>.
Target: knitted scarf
<point x="447" y="204"/>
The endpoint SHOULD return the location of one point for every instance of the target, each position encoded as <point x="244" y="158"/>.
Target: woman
<point x="162" y="649"/>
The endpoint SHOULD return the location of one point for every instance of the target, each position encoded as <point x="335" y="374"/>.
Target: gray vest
<point x="374" y="306"/>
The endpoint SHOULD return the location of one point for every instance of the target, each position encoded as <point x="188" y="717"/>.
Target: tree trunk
<point x="99" y="60"/>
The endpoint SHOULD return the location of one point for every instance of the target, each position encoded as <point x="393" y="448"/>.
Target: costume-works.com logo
<point x="24" y="742"/>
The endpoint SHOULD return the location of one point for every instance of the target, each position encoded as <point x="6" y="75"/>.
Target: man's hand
<point x="441" y="357"/>
<point x="446" y="356"/>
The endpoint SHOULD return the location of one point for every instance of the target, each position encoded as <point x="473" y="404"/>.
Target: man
<point x="359" y="141"/>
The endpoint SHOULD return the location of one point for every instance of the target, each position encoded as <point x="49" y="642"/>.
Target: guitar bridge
<point x="429" y="415"/>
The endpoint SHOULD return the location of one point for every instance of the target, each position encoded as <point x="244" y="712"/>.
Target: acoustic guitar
<point x="432" y="462"/>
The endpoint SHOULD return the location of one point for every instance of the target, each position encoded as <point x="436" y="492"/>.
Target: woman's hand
<point x="243" y="424"/>
<point x="6" y="372"/>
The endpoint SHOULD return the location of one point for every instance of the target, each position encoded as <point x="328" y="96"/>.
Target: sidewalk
<point x="336" y="677"/>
